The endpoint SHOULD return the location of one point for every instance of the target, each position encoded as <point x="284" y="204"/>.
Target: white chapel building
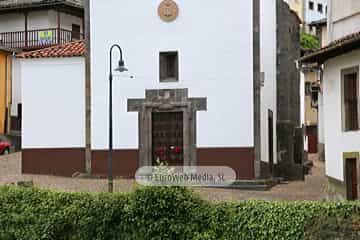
<point x="198" y="91"/>
<point x="194" y="65"/>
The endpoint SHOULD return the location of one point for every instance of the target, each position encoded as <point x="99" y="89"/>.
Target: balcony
<point x="36" y="39"/>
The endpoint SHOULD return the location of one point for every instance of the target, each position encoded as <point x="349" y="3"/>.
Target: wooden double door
<point x="168" y="138"/>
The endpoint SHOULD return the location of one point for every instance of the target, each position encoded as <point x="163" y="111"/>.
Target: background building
<point x="29" y="25"/>
<point x="341" y="60"/>
<point x="309" y="10"/>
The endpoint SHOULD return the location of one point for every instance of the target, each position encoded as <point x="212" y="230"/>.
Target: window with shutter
<point x="350" y="99"/>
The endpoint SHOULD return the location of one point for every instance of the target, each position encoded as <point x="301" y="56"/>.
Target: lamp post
<point x="120" y="68"/>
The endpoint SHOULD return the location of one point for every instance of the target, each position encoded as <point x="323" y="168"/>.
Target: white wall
<point x="336" y="140"/>
<point x="321" y="119"/>
<point x="315" y="15"/>
<point x="302" y="106"/>
<point x="344" y="8"/>
<point x="324" y="36"/>
<point x="344" y="18"/>
<point x="268" y="66"/>
<point x="346" y="27"/>
<point x="215" y="60"/>
<point x="36" y="20"/>
<point x="53" y="93"/>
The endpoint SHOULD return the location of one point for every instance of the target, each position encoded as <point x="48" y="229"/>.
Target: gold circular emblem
<point x="168" y="10"/>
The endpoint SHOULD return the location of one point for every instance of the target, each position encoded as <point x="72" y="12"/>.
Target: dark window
<point x="169" y="67"/>
<point x="307" y="89"/>
<point x="320" y="8"/>
<point x="311" y="5"/>
<point x="75" y="32"/>
<point x="350" y="100"/>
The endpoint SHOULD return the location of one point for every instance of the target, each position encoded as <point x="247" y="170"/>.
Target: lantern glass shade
<point x="121" y="67"/>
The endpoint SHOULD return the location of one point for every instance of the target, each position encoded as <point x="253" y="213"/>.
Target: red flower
<point x="177" y="150"/>
<point x="160" y="151"/>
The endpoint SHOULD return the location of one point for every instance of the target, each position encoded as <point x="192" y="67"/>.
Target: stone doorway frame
<point x="167" y="100"/>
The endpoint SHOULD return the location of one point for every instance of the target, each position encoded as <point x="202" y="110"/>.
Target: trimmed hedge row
<point x="157" y="213"/>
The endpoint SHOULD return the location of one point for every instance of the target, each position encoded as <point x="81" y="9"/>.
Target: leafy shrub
<point x="308" y="41"/>
<point x="161" y="213"/>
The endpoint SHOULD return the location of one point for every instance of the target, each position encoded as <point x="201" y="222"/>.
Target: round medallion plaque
<point x="168" y="10"/>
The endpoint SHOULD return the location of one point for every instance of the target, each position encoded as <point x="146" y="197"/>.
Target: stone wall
<point x="288" y="85"/>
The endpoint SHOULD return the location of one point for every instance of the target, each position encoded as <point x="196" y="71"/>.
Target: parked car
<point x="4" y="147"/>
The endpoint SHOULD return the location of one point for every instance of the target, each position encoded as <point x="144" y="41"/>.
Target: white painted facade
<point x="321" y="119"/>
<point x="315" y="14"/>
<point x="215" y="62"/>
<point x="344" y="18"/>
<point x="53" y="95"/>
<point x="37" y="20"/>
<point x="302" y="8"/>
<point x="302" y="107"/>
<point x="337" y="141"/>
<point x="268" y="53"/>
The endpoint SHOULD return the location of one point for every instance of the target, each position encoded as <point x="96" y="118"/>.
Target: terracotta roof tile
<point x="335" y="48"/>
<point x="72" y="49"/>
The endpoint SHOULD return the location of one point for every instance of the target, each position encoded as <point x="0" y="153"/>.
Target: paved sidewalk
<point x="312" y="189"/>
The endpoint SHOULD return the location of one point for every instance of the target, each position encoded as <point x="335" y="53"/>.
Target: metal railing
<point x="40" y="38"/>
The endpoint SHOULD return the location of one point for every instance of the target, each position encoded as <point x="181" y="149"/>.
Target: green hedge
<point x="161" y="213"/>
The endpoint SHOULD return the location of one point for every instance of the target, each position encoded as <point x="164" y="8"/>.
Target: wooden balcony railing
<point x="35" y="39"/>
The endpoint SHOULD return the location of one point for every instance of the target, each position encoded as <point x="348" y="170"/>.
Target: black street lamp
<point x="120" y="68"/>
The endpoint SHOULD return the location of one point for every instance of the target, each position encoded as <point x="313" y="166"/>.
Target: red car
<point x="4" y="147"/>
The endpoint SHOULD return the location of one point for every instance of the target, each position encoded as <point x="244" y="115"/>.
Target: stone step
<point x="254" y="185"/>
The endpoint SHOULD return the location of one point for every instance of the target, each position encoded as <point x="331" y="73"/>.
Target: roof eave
<point x="322" y="22"/>
<point x="56" y="57"/>
<point x="322" y="56"/>
<point x="64" y="6"/>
